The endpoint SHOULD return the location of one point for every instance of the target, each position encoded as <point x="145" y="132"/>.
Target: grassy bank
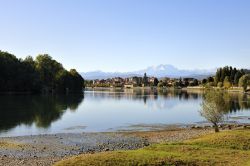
<point x="224" y="148"/>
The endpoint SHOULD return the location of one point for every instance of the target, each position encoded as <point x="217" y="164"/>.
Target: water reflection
<point x="145" y="94"/>
<point x="104" y="109"/>
<point x="235" y="101"/>
<point x="41" y="110"/>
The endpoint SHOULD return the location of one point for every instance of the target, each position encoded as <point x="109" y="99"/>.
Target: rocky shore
<point x="47" y="149"/>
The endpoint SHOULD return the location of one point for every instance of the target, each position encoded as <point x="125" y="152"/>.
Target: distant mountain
<point x="104" y="75"/>
<point x="157" y="71"/>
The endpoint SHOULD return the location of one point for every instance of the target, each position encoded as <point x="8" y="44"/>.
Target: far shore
<point x="190" y="88"/>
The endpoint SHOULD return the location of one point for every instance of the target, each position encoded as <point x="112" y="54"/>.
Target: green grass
<point x="238" y="139"/>
<point x="224" y="148"/>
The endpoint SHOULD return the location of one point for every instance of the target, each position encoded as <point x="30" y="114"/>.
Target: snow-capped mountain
<point x="157" y="71"/>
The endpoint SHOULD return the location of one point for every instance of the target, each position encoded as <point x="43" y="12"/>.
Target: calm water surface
<point x="107" y="110"/>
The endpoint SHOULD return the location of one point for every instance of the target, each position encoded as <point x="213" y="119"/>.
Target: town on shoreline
<point x="228" y="78"/>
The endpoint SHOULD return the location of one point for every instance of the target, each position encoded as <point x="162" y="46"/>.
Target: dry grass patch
<point x="10" y="145"/>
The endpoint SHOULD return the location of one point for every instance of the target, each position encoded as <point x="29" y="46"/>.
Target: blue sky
<point x="127" y="35"/>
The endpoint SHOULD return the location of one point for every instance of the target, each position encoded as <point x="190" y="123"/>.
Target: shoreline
<point x="149" y="128"/>
<point x="49" y="148"/>
<point x="199" y="88"/>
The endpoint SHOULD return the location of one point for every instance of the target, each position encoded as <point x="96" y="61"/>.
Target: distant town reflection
<point x="106" y="109"/>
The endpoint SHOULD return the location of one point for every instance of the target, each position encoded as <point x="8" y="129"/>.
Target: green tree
<point x="63" y="81"/>
<point x="145" y="79"/>
<point x="162" y="84"/>
<point x="232" y="75"/>
<point x="156" y="81"/>
<point x="220" y="84"/>
<point x="214" y="107"/>
<point x="28" y="75"/>
<point x="218" y="76"/>
<point x="17" y="75"/>
<point x="196" y="82"/>
<point x="204" y="81"/>
<point x="48" y="69"/>
<point x="227" y="83"/>
<point x="76" y="81"/>
<point x="237" y="77"/>
<point x="210" y="79"/>
<point x="244" y="81"/>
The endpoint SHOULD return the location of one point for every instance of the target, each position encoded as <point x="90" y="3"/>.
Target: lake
<point x="107" y="110"/>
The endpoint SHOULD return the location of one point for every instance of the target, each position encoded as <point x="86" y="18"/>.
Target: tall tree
<point x="145" y="79"/>
<point x="156" y="81"/>
<point x="28" y="75"/>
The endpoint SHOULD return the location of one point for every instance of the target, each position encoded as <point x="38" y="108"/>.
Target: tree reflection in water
<point x="40" y="110"/>
<point x="235" y="101"/>
<point x="43" y="110"/>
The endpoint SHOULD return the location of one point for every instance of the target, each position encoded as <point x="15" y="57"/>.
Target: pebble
<point x="49" y="148"/>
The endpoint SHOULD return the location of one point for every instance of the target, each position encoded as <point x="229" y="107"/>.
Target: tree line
<point x="228" y="77"/>
<point x="40" y="75"/>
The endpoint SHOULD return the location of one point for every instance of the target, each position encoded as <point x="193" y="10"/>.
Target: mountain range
<point x="156" y="71"/>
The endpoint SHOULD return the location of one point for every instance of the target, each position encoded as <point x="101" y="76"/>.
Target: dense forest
<point x="229" y="77"/>
<point x="40" y="75"/>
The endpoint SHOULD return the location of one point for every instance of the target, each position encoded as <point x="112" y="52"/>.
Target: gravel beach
<point x="47" y="149"/>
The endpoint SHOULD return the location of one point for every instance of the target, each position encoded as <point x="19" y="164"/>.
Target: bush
<point x="220" y="84"/>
